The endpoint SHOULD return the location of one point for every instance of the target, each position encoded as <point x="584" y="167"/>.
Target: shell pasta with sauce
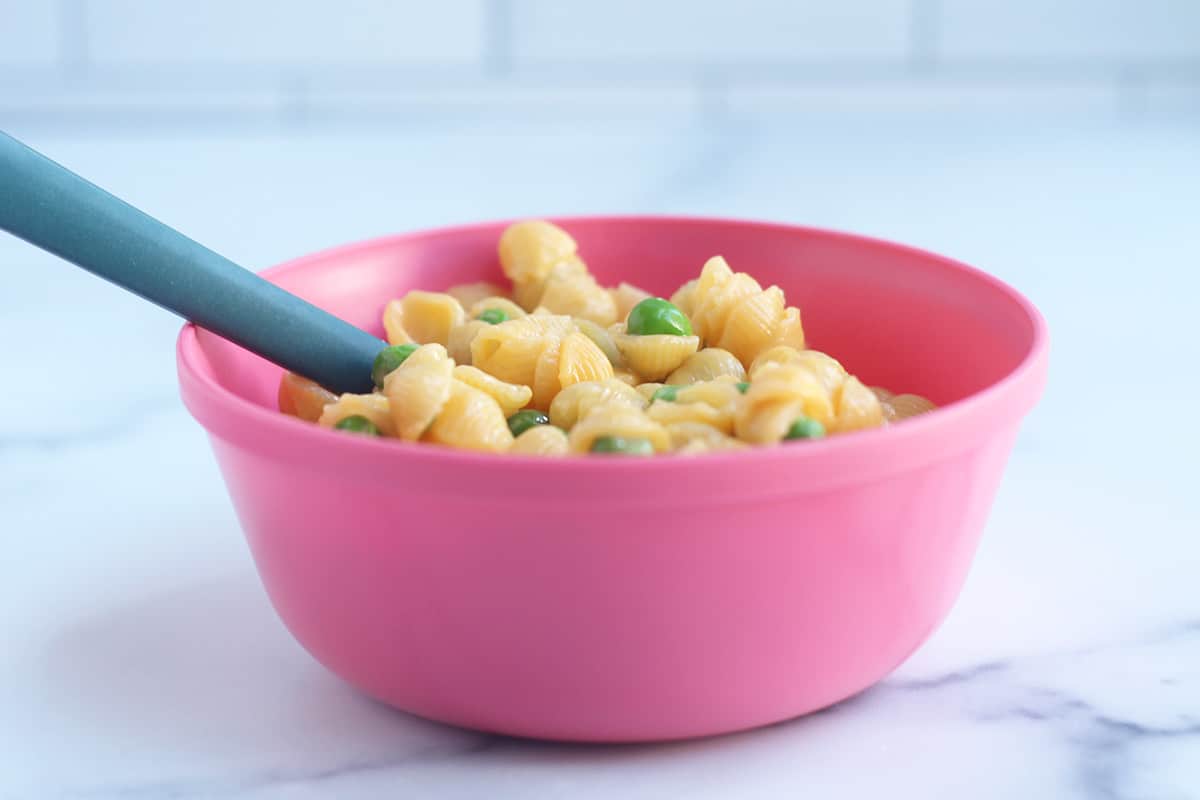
<point x="559" y="365"/>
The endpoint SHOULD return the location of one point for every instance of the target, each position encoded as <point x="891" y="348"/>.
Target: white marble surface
<point x="139" y="657"/>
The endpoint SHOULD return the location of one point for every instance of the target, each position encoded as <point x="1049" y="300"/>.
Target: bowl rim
<point x="953" y="427"/>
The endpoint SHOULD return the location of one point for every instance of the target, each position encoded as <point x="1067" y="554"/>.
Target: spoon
<point x="52" y="208"/>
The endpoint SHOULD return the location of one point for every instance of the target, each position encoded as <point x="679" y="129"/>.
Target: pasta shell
<point x="791" y="331"/>
<point x="696" y="437"/>
<point x="751" y="324"/>
<point x="393" y="323"/>
<point x="540" y="440"/>
<point x="470" y="420"/>
<point x="713" y="310"/>
<point x="657" y="356"/>
<point x="303" y="398"/>
<point x="430" y="316"/>
<point x="778" y="395"/>
<point x="510" y="308"/>
<point x="461" y="339"/>
<point x="468" y="294"/>
<point x="706" y="364"/>
<point x="374" y="407"/>
<point x="529" y="249"/>
<point x="684" y="297"/>
<point x="626" y="376"/>
<point x="718" y="393"/>
<point x="779" y="354"/>
<point x="904" y="406"/>
<point x="647" y="390"/>
<point x="603" y="339"/>
<point x="626" y="296"/>
<point x="581" y="360"/>
<point x="579" y="296"/>
<point x="511" y="397"/>
<point x="510" y="350"/>
<point x="617" y="419"/>
<point x="857" y="407"/>
<point x="575" y="401"/>
<point x="827" y="369"/>
<point x="545" y="376"/>
<point x="417" y="390"/>
<point x="670" y="413"/>
<point x="768" y="422"/>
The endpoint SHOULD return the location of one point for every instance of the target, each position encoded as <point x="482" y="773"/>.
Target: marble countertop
<point x="139" y="657"/>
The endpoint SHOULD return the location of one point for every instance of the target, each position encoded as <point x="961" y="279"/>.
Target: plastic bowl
<point x="604" y="599"/>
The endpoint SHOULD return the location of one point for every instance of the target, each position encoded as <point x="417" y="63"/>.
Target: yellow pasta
<point x="741" y="377"/>
<point x="393" y="323"/>
<point x="856" y="407"/>
<point x="468" y="294"/>
<point x="511" y="350"/>
<point x="626" y="296"/>
<point x="511" y="397"/>
<point x="510" y="309"/>
<point x="620" y="420"/>
<point x="300" y="397"/>
<point x="668" y="413"/>
<point x="462" y="337"/>
<point x="684" y="297"/>
<point x="529" y="250"/>
<point x="581" y="360"/>
<point x="626" y="376"/>
<point x="417" y="390"/>
<point x="603" y="339"/>
<point x="721" y="393"/>
<point x="731" y="311"/>
<point x="903" y="406"/>
<point x="577" y="294"/>
<point x="825" y="368"/>
<point x="470" y="420"/>
<point x="778" y="395"/>
<point x="575" y="401"/>
<point x="657" y="356"/>
<point x="693" y="438"/>
<point x="706" y="364"/>
<point x="541" y="440"/>
<point x="647" y="390"/>
<point x="428" y="317"/>
<point x="374" y="407"/>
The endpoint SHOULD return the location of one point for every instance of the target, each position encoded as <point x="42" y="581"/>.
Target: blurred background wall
<point x="97" y="64"/>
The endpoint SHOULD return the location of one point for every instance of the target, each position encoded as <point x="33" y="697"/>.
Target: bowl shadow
<point x="209" y="670"/>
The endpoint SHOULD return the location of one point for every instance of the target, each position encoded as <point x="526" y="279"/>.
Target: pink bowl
<point x="621" y="600"/>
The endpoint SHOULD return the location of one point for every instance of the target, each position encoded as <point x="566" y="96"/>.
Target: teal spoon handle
<point x="51" y="207"/>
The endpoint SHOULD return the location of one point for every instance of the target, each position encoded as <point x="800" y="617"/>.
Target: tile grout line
<point x="73" y="38"/>
<point x="925" y="17"/>
<point x="497" y="38"/>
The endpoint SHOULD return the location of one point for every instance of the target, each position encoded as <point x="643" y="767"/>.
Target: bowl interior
<point x="897" y="317"/>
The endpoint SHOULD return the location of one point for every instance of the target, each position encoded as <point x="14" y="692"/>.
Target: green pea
<point x="388" y="359"/>
<point x="657" y="316"/>
<point x="619" y="445"/>
<point x="668" y="393"/>
<point x="357" y="424"/>
<point x="493" y="316"/>
<point x="743" y="386"/>
<point x="522" y="421"/>
<point x="805" y="428"/>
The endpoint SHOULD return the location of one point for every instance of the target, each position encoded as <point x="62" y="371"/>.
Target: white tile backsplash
<point x="708" y="33"/>
<point x="295" y="62"/>
<point x="30" y="34"/>
<point x="1058" y="30"/>
<point x="287" y="33"/>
